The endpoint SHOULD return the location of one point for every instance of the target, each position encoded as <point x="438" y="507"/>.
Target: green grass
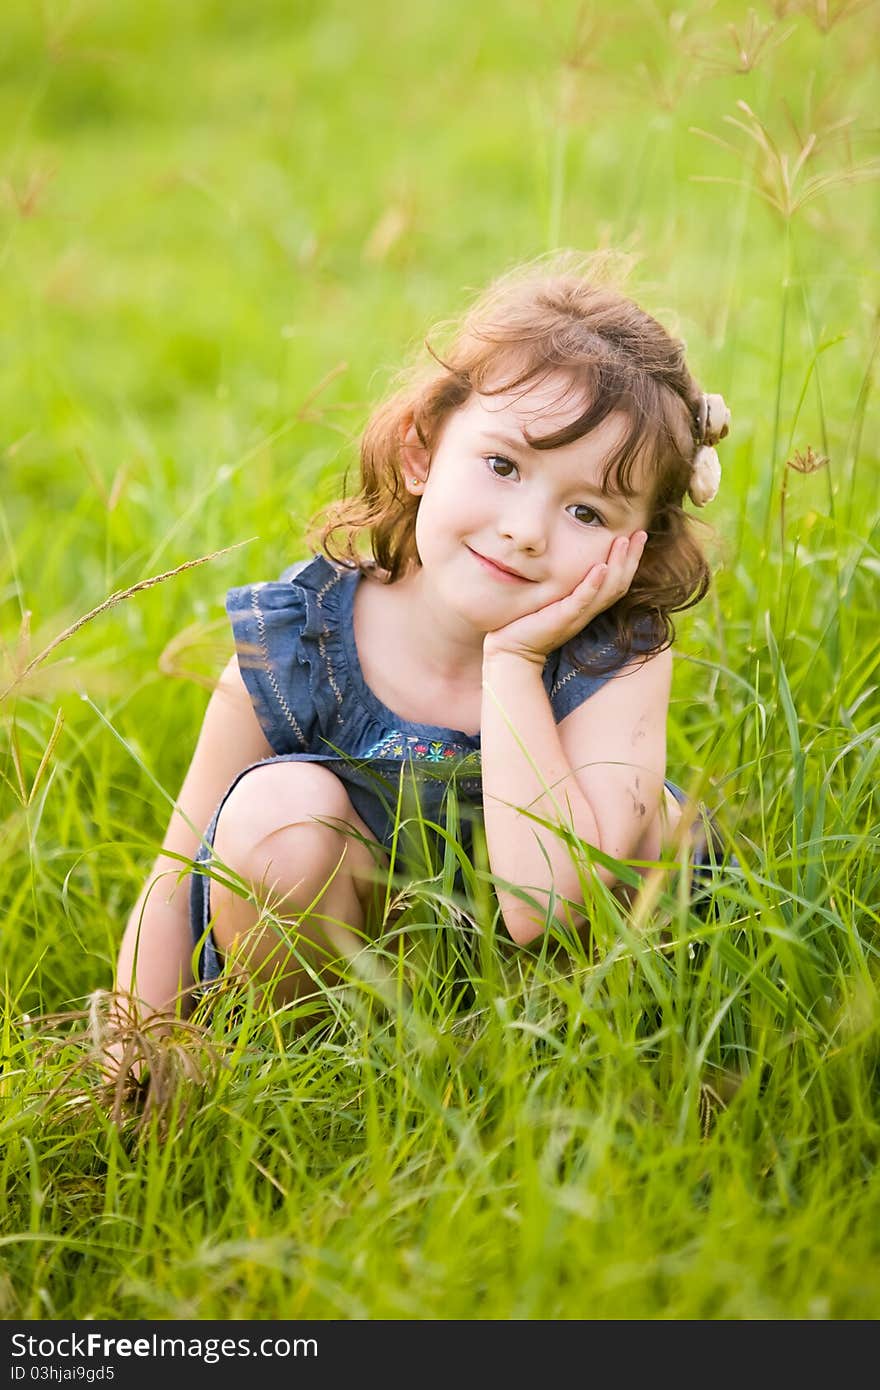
<point x="222" y="226"/>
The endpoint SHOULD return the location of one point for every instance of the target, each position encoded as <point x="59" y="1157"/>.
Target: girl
<point x="494" y="601"/>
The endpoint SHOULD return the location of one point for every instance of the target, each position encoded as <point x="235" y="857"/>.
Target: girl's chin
<point x="490" y="617"/>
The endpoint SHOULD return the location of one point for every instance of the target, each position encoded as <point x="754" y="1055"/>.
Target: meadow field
<point x="223" y="227"/>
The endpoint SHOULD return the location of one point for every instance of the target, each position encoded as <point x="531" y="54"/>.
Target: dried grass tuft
<point x="139" y="1070"/>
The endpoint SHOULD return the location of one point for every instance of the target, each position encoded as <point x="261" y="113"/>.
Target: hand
<point x="537" y="634"/>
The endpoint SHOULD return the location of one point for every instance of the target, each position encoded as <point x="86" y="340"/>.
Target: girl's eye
<point x="501" y="467"/>
<point x="587" y="516"/>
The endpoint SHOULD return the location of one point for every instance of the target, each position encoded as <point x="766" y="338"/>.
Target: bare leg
<point x="661" y="831"/>
<point x="310" y="883"/>
<point x="656" y="842"/>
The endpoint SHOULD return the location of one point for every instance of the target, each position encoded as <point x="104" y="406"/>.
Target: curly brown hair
<point x="549" y="316"/>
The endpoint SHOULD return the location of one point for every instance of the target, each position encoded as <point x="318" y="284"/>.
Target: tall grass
<point x="222" y="227"/>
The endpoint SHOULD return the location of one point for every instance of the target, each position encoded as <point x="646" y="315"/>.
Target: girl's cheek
<point x="593" y="549"/>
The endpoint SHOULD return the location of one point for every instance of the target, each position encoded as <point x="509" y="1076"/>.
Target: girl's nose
<point x="522" y="522"/>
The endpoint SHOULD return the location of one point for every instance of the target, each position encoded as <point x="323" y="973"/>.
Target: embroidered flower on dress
<point x="399" y="745"/>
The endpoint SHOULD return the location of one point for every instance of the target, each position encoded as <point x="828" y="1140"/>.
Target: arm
<point x="556" y="773"/>
<point x="154" y="958"/>
<point x="599" y="773"/>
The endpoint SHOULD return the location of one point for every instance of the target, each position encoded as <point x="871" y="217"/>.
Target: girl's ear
<point x="414" y="459"/>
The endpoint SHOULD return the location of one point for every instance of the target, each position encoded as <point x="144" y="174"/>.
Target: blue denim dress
<point x="299" y="662"/>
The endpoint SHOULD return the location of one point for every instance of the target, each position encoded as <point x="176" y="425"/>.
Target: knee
<point x="274" y="800"/>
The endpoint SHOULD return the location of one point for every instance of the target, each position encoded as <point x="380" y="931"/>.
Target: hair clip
<point x="713" y="419"/>
<point x="705" y="476"/>
<point x="713" y="423"/>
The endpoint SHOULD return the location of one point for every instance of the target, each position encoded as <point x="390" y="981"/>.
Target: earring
<point x="415" y="483"/>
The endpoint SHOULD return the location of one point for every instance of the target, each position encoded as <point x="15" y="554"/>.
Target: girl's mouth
<point x="499" y="571"/>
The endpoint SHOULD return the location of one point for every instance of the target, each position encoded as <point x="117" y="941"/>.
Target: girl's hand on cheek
<point x="537" y="634"/>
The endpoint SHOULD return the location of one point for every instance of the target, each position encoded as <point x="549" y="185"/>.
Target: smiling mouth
<point x="499" y="571"/>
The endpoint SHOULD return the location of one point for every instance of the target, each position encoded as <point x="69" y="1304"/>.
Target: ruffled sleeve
<point x="283" y="631"/>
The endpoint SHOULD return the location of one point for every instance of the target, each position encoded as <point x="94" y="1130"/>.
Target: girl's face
<point x="503" y="529"/>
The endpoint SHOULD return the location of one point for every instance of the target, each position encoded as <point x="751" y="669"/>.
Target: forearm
<point x="155" y="955"/>
<point x="525" y="767"/>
